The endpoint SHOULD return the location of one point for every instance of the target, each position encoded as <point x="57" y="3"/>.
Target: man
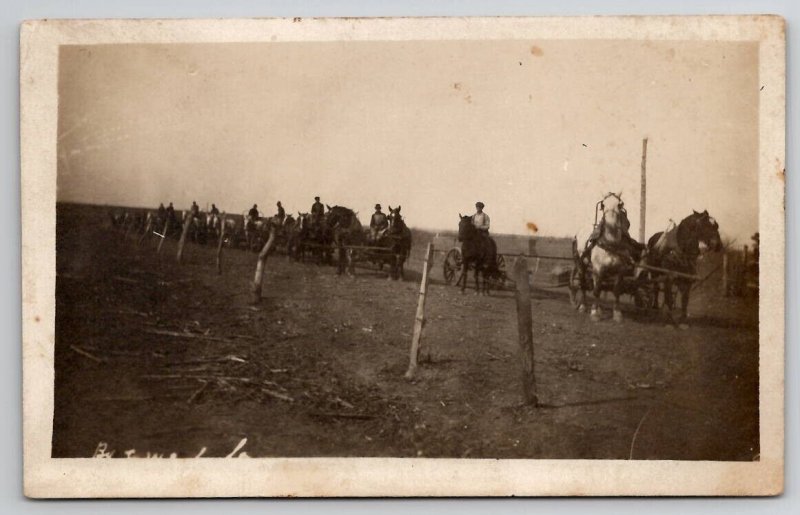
<point x="377" y="224"/>
<point x="171" y="213"/>
<point x="252" y="217"/>
<point x="281" y="213"/>
<point x="162" y="212"/>
<point x="214" y="210"/>
<point x="194" y="210"/>
<point x="481" y="220"/>
<point x="317" y="211"/>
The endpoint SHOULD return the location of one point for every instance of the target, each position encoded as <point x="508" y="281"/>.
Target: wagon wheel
<point x="452" y="265"/>
<point x="499" y="280"/>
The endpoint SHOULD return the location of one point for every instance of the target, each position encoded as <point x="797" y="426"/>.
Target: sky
<point x="538" y="131"/>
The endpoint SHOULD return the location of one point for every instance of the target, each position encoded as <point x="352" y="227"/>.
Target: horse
<point x="213" y="224"/>
<point x="677" y="250"/>
<point x="613" y="255"/>
<point x="233" y="231"/>
<point x="316" y="237"/>
<point x="397" y="241"/>
<point x="346" y="231"/>
<point x="478" y="252"/>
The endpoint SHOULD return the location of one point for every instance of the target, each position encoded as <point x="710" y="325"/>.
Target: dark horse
<point x="397" y="241"/>
<point x="478" y="252"/>
<point x="312" y="237"/>
<point x="346" y="231"/>
<point x="677" y="250"/>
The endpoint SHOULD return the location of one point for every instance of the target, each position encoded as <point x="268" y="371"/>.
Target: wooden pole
<point x="525" y="331"/>
<point x="187" y="221"/>
<point x="419" y="319"/>
<point x="261" y="264"/>
<point x="725" y="273"/>
<point x="163" y="236"/>
<point x="219" y="245"/>
<point x="148" y="226"/>
<point x="643" y="194"/>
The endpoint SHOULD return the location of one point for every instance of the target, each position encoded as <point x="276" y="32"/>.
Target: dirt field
<point x="156" y="357"/>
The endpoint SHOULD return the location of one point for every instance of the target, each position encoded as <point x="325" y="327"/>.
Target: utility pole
<point x="643" y="194"/>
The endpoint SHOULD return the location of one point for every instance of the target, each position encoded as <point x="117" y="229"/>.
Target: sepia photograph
<point x="430" y="241"/>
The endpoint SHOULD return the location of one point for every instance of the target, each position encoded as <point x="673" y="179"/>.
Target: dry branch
<point x="87" y="354"/>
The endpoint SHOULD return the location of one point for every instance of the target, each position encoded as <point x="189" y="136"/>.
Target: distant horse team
<point x="610" y="260"/>
<point x="318" y="234"/>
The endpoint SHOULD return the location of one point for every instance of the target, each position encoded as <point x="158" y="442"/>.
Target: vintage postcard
<point x="403" y="257"/>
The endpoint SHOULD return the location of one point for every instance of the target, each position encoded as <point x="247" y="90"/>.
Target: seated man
<point x="214" y="210"/>
<point x="481" y="220"/>
<point x="377" y="224"/>
<point x="317" y="211"/>
<point x="252" y="216"/>
<point x="171" y="214"/>
<point x="281" y="215"/>
<point x="194" y="211"/>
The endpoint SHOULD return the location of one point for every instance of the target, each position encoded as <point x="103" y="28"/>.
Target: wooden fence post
<point x="525" y="330"/>
<point x="163" y="236"/>
<point x="725" y="273"/>
<point x="219" y="245"/>
<point x="261" y="264"/>
<point x="419" y="319"/>
<point x="187" y="222"/>
<point x="148" y="226"/>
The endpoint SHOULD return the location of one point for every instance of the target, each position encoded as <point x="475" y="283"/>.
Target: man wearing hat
<point x="481" y="220"/>
<point x="317" y="211"/>
<point x="378" y="223"/>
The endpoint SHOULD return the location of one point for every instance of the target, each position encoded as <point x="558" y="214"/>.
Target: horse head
<point x="707" y="230"/>
<point x="615" y="218"/>
<point x="466" y="229"/>
<point x="396" y="223"/>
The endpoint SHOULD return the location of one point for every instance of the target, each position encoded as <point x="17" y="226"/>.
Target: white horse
<point x="611" y="255"/>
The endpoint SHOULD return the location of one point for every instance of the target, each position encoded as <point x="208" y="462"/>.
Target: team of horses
<point x="612" y="262"/>
<point x="618" y="263"/>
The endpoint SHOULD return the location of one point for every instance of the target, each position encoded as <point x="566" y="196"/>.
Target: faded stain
<point x="468" y="99"/>
<point x="536" y="51"/>
<point x="37" y="319"/>
<point x="457" y="85"/>
<point x="532" y="227"/>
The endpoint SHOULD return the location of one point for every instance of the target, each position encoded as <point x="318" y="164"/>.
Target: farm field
<point x="163" y="358"/>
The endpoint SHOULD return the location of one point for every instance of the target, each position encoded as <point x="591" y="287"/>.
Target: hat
<point x="479" y="204"/>
<point x="316" y="198"/>
<point x="377" y="206"/>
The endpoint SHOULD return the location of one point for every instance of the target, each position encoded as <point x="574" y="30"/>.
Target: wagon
<point x="641" y="288"/>
<point x="453" y="264"/>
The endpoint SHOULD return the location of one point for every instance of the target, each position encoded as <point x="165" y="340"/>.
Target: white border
<point x="48" y="477"/>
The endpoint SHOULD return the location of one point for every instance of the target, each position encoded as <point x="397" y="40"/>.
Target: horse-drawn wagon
<point x="453" y="266"/>
<point x="614" y="262"/>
